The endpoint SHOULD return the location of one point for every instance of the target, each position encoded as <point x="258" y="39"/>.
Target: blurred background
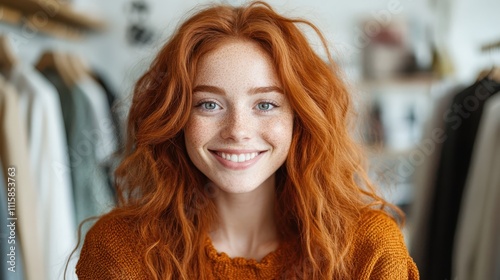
<point x="423" y="75"/>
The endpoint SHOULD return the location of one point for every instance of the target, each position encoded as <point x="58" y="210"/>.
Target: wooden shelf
<point x="49" y="16"/>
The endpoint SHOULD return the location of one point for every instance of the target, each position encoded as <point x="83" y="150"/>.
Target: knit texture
<point x="112" y="251"/>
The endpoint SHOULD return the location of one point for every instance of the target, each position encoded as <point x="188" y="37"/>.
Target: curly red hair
<point x="321" y="189"/>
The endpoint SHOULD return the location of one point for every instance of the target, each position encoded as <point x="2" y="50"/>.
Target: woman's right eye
<point x="208" y="105"/>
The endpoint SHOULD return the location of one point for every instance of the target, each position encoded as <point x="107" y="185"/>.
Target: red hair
<point x="321" y="189"/>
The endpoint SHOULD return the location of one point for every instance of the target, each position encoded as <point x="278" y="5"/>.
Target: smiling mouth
<point x="237" y="158"/>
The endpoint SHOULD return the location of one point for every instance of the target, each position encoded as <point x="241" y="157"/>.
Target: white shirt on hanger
<point x="14" y="153"/>
<point x="41" y="112"/>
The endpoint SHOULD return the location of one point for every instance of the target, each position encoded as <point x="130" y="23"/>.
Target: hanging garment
<point x="432" y="140"/>
<point x="105" y="133"/>
<point x="8" y="272"/>
<point x="476" y="254"/>
<point x="107" y="138"/>
<point x="90" y="189"/>
<point x="496" y="242"/>
<point x="41" y="112"/>
<point x="118" y="114"/>
<point x="14" y="152"/>
<point x="113" y="104"/>
<point x="462" y="121"/>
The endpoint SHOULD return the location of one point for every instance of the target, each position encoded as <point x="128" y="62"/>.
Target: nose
<point x="236" y="126"/>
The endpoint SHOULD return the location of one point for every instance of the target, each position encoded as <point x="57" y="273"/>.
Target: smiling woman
<point x="241" y="120"/>
<point x="239" y="165"/>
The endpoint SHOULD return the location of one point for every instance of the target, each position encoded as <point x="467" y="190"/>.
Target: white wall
<point x="472" y="23"/>
<point x="337" y="19"/>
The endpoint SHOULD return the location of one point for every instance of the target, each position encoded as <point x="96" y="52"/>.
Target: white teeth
<point x="241" y="158"/>
<point x="238" y="158"/>
<point x="234" y="158"/>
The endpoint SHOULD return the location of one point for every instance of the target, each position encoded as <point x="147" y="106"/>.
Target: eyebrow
<point x="255" y="90"/>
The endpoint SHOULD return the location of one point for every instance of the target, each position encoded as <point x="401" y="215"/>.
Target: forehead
<point x="235" y="46"/>
<point x="236" y="61"/>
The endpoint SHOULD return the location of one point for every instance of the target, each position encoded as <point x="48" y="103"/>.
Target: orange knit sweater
<point x="111" y="251"/>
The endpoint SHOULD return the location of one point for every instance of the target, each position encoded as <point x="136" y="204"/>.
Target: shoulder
<point x="113" y="227"/>
<point x="377" y="226"/>
<point x="111" y="250"/>
<point x="379" y="250"/>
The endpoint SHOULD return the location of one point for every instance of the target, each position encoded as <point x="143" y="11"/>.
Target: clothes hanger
<point x="79" y="67"/>
<point x="495" y="74"/>
<point x="57" y="61"/>
<point x="483" y="74"/>
<point x="7" y="57"/>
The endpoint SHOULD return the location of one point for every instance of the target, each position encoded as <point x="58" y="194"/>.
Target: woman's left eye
<point x="265" y="106"/>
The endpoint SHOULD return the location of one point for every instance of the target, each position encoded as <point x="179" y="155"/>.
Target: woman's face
<point x="240" y="128"/>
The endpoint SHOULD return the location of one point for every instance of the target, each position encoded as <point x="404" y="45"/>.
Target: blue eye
<point x="265" y="106"/>
<point x="208" y="105"/>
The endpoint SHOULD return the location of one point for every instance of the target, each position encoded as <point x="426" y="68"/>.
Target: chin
<point x="231" y="189"/>
<point x="237" y="190"/>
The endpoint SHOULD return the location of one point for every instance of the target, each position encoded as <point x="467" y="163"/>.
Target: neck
<point x="247" y="224"/>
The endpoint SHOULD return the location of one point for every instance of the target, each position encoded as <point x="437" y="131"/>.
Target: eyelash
<point x="202" y="102"/>
<point x="272" y="103"/>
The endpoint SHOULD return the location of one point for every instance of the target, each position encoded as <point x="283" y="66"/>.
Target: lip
<point x="237" y="165"/>
<point x="235" y="151"/>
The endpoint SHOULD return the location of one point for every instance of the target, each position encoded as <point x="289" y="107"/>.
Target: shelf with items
<point x="416" y="80"/>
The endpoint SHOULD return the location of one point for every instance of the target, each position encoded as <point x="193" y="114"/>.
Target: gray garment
<point x="18" y="274"/>
<point x="92" y="194"/>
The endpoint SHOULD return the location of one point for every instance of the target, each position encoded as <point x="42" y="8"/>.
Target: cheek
<point x="279" y="133"/>
<point x="195" y="132"/>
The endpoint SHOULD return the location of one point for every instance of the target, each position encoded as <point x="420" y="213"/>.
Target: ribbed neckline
<point x="271" y="260"/>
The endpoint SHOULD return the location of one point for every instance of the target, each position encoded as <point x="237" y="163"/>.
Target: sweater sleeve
<point x="110" y="251"/>
<point x="379" y="250"/>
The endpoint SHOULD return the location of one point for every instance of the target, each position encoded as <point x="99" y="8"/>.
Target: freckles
<point x="279" y="131"/>
<point x="195" y="130"/>
<point x="235" y="64"/>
